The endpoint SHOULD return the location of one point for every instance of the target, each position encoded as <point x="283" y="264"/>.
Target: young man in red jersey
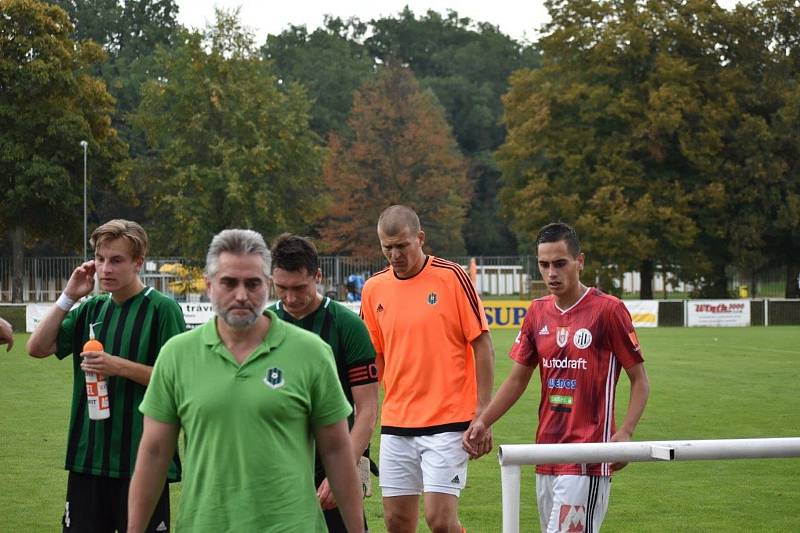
<point x="580" y="338"/>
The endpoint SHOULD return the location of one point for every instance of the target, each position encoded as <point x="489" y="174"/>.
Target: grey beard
<point x="239" y="323"/>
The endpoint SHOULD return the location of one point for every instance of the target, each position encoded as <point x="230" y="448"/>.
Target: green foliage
<point x="464" y="63"/>
<point x="227" y="147"/>
<point x="467" y="65"/>
<point x="650" y="128"/>
<point x="129" y="32"/>
<point x="401" y="152"/>
<point x="329" y="62"/>
<point x="49" y="102"/>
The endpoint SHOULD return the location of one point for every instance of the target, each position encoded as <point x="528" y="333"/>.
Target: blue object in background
<point x="355" y="282"/>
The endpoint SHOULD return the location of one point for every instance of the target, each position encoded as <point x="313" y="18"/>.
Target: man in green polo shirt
<point x="252" y="395"/>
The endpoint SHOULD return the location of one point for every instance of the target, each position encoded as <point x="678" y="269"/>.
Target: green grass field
<point x="705" y="384"/>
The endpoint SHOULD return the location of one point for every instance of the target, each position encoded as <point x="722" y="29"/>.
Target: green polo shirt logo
<point x="274" y="378"/>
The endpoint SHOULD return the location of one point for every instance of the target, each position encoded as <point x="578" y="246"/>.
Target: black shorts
<point x="97" y="504"/>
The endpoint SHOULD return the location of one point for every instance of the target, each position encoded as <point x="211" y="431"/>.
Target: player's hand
<point x="100" y="363"/>
<point x="620" y="436"/>
<point x="81" y="282"/>
<point x="477" y="439"/>
<point x="6" y="334"/>
<point x="325" y="495"/>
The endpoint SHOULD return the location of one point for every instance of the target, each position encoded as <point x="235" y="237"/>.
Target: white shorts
<point x="572" y="503"/>
<point x="430" y="463"/>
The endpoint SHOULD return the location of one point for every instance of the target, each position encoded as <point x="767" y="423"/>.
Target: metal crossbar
<point x="513" y="456"/>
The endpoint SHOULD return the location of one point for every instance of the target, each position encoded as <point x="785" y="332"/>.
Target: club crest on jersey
<point x="432" y="298"/>
<point x="274" y="378"/>
<point x="562" y="336"/>
<point x="582" y="339"/>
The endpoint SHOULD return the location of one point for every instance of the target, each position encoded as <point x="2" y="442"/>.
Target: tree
<point x="464" y="63"/>
<point x="48" y="103"/>
<point x="591" y="140"/>
<point x="695" y="100"/>
<point x="643" y="118"/>
<point x="761" y="63"/>
<point x="401" y="151"/>
<point x="129" y="31"/>
<point x="329" y="62"/>
<point x="227" y="147"/>
<point x="467" y="65"/>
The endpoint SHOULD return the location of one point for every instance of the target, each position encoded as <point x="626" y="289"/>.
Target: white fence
<point x="513" y="456"/>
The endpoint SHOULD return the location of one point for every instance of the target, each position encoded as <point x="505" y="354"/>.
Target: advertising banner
<point x="196" y="313"/>
<point x="34" y="313"/>
<point x="509" y="314"/>
<point x="505" y="314"/>
<point x="644" y="313"/>
<point x="718" y="313"/>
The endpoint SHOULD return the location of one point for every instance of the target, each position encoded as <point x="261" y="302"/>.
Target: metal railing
<point x="45" y="277"/>
<point x="512" y="457"/>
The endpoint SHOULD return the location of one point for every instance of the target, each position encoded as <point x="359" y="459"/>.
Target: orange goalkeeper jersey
<point x="422" y="328"/>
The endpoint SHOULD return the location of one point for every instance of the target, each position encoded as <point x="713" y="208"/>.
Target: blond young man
<point x="132" y="321"/>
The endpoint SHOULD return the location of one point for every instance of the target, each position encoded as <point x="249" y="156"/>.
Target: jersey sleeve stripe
<point x="466" y="284"/>
<point x="460" y="273"/>
<point x="379" y="272"/>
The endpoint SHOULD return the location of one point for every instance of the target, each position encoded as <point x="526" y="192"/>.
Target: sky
<point x="519" y="19"/>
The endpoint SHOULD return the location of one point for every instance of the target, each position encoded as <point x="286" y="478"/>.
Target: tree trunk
<point x="18" y="264"/>
<point x="792" y="279"/>
<point x="718" y="287"/>
<point x="646" y="280"/>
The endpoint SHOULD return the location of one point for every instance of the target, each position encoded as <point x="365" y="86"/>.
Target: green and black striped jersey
<point x="135" y="330"/>
<point x="347" y="336"/>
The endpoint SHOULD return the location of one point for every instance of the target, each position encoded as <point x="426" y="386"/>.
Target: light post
<point x="85" y="145"/>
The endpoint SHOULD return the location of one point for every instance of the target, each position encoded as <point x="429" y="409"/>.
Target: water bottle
<point x="96" y="385"/>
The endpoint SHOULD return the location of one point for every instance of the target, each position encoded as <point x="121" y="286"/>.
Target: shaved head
<point x="397" y="218"/>
<point x="402" y="240"/>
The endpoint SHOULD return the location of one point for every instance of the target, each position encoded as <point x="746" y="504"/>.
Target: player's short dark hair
<point x="396" y="218"/>
<point x="293" y="253"/>
<point x="558" y="231"/>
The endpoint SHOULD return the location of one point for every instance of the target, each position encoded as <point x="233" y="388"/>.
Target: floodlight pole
<point x="85" y="145"/>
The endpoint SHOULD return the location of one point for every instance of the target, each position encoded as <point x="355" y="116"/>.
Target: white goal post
<point x="513" y="456"/>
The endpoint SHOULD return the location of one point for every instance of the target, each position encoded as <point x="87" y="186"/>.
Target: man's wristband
<point x="65" y="302"/>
